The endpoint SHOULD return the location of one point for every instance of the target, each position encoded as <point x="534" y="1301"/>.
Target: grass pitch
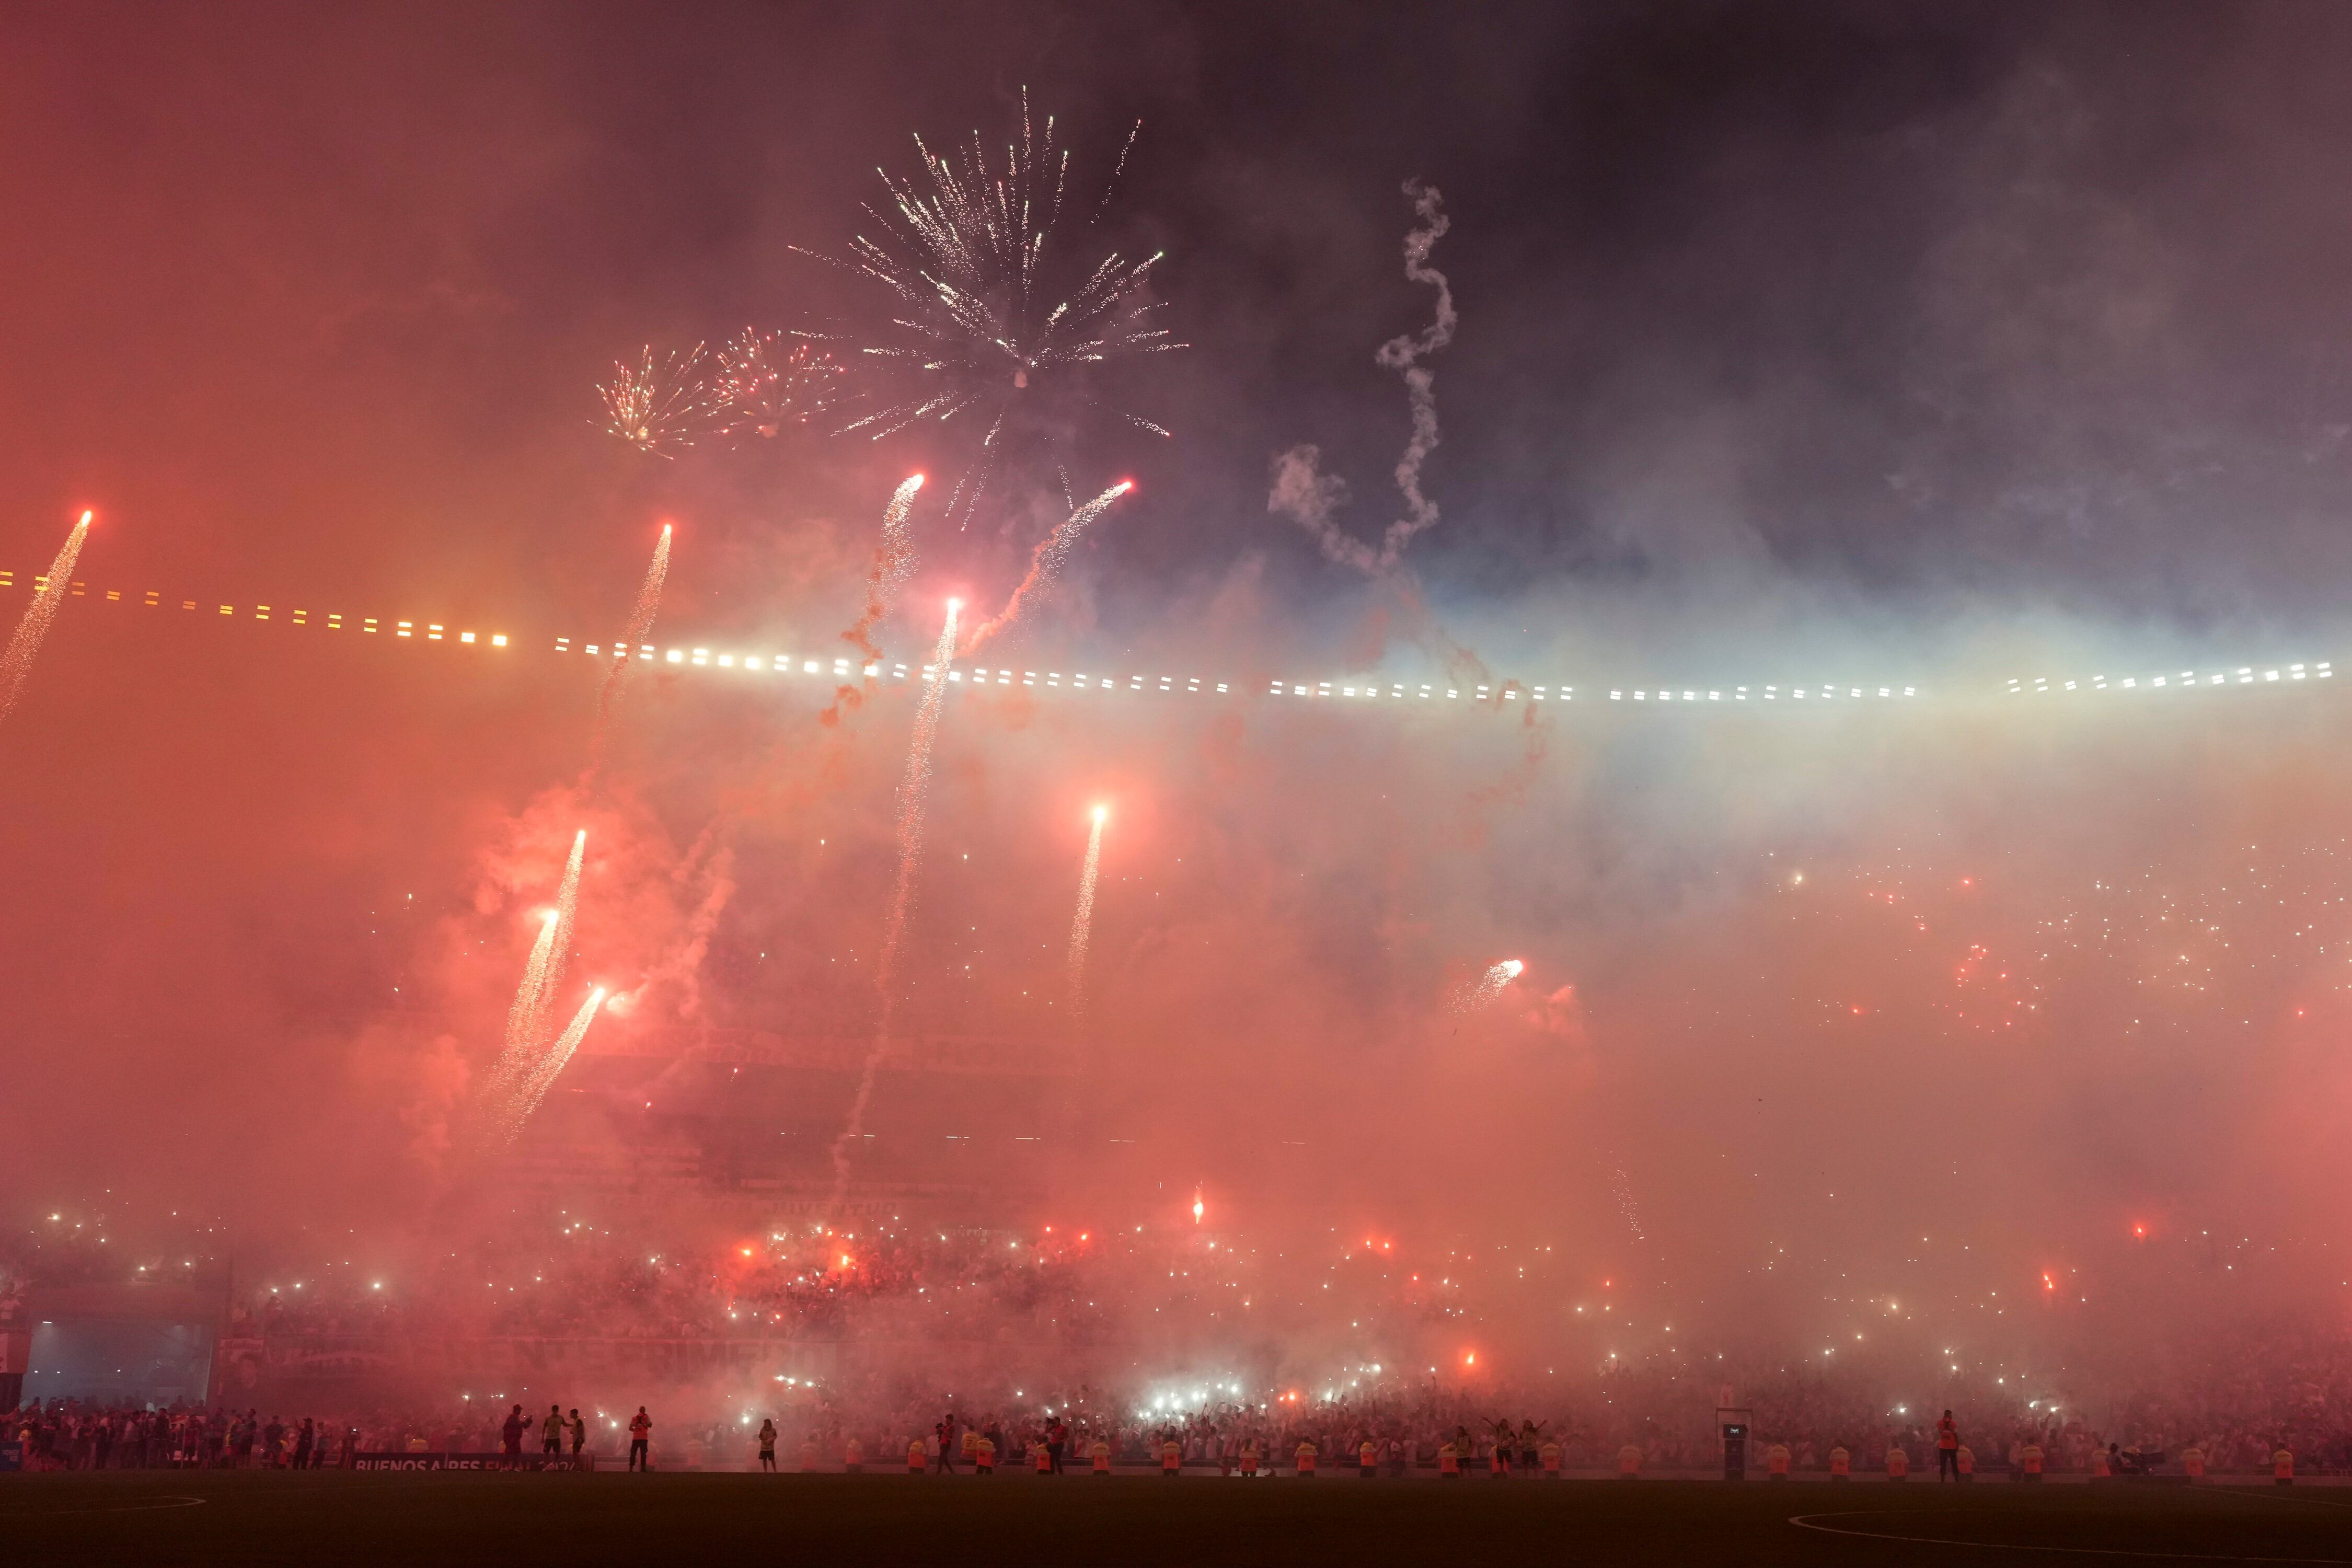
<point x="352" y="1521"/>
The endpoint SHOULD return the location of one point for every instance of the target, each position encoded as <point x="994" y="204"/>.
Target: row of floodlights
<point x="1509" y="691"/>
<point x="2245" y="674"/>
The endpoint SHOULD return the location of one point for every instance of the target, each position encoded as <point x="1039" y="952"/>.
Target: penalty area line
<point x="152" y="1505"/>
<point x="1808" y="1521"/>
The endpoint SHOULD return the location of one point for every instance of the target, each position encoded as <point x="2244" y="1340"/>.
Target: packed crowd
<point x="928" y="1332"/>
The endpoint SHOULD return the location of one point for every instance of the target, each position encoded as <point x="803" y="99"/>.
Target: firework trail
<point x="972" y="254"/>
<point x="16" y="663"/>
<point x="1311" y="498"/>
<point x="894" y="562"/>
<point x="534" y="1088"/>
<point x="1082" y="924"/>
<point x="1622" y="1186"/>
<point x="657" y="403"/>
<point x="912" y="789"/>
<point x="529" y="1017"/>
<point x="1482" y="992"/>
<point x="515" y="1055"/>
<point x="1045" y="563"/>
<point x="641" y="625"/>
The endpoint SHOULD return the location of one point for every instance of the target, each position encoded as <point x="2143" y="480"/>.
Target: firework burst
<point x="662" y="401"/>
<point x="764" y="382"/>
<point x="998" y="306"/>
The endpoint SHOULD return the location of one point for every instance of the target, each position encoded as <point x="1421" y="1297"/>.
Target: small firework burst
<point x="662" y="402"/>
<point x="765" y="383"/>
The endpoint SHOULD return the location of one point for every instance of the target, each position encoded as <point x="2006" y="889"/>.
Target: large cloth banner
<point x="567" y="1462"/>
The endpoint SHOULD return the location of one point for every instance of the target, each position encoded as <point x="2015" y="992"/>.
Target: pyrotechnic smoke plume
<point x="1082" y="924"/>
<point x="1045" y="563"/>
<point x="912" y="789"/>
<point x="34" y="624"/>
<point x="641" y="625"/>
<point x="1311" y="498"/>
<point x="542" y="1076"/>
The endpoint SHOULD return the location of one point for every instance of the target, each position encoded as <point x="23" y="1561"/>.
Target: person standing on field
<point x="768" y="1446"/>
<point x="1947" y="1448"/>
<point x="641" y="1428"/>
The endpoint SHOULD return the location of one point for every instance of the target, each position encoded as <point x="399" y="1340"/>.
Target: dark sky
<point x="1902" y="338"/>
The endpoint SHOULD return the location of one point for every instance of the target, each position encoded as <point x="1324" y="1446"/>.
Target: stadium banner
<point x="567" y="1462"/>
<point x="11" y="1455"/>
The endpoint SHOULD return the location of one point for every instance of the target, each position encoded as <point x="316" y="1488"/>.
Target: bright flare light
<point x="33" y="625"/>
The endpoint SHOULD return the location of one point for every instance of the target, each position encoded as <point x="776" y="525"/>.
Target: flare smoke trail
<point x="1311" y="498"/>
<point x="912" y="791"/>
<point x="1482" y="991"/>
<point x="1045" y="563"/>
<point x="641" y="625"/>
<point x="534" y="1088"/>
<point x="528" y="1019"/>
<point x="1082" y="924"/>
<point x="34" y="624"/>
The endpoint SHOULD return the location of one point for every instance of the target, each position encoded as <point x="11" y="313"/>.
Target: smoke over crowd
<point x="1417" y="1062"/>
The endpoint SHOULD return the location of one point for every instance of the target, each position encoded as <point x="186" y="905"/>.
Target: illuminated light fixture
<point x="2070" y="685"/>
<point x="407" y="628"/>
<point x="301" y="617"/>
<point x="155" y="597"/>
<point x="676" y="656"/>
<point x="2270" y="675"/>
<point x="872" y="670"/>
<point x="590" y="647"/>
<point x="1451" y="694"/>
<point x="2159" y="681"/>
<point x="1220" y="686"/>
<point x="1616" y="697"/>
<point x="228" y="610"/>
<point x="701" y="655"/>
<point x="900" y="670"/>
<point x="117" y="593"/>
<point x="1482" y="694"/>
<point x="1739" y="694"/>
<point x="752" y="661"/>
<point x="465" y="637"/>
<point x="725" y="661"/>
<point x="955" y="675"/>
<point x="811" y="667"/>
<point x="499" y="639"/>
<point x="2130" y="680"/>
<point x="432" y="632"/>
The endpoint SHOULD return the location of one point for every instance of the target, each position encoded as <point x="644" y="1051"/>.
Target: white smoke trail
<point x="534" y="1088"/>
<point x="912" y="789"/>
<point x="567" y="910"/>
<point x="1404" y="353"/>
<point x="1312" y="499"/>
<point x="1082" y="924"/>
<point x="640" y="626"/>
<point x="16" y="663"/>
<point x="1047" y="563"/>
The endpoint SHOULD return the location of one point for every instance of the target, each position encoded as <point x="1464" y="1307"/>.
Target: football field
<point x="353" y="1521"/>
